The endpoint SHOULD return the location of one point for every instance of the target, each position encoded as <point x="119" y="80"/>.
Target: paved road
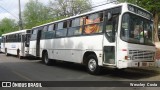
<point x="13" y="69"/>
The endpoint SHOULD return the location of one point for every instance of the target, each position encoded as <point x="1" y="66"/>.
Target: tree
<point x="66" y="8"/>
<point x="154" y="7"/>
<point x="7" y="25"/>
<point x="35" y="13"/>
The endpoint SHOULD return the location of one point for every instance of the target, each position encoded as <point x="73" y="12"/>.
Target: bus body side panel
<point x="46" y="44"/>
<point x="59" y="49"/>
<point x="12" y="48"/>
<point x="49" y="44"/>
<point x="72" y="49"/>
<point x="42" y="46"/>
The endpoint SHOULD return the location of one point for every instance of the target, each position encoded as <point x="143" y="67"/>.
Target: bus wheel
<point x="46" y="60"/>
<point x="92" y="65"/>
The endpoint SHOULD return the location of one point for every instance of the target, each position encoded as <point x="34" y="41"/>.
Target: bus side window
<point x="43" y="33"/>
<point x="51" y="31"/>
<point x="75" y="26"/>
<point x="6" y="38"/>
<point x="61" y="29"/>
<point x="93" y="23"/>
<point x="111" y="28"/>
<point x="34" y="34"/>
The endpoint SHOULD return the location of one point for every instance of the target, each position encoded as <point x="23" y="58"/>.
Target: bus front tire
<point x="92" y="65"/>
<point x="45" y="59"/>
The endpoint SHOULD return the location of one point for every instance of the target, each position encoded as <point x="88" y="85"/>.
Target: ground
<point x="13" y="69"/>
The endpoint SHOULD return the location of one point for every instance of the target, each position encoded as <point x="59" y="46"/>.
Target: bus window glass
<point x="62" y="29"/>
<point x="148" y="32"/>
<point x="75" y="27"/>
<point x="34" y="34"/>
<point x="136" y="29"/>
<point x="93" y="23"/>
<point x="51" y="32"/>
<point x="28" y="36"/>
<point x="45" y="28"/>
<point x="60" y="25"/>
<point x="51" y="27"/>
<point x="111" y="28"/>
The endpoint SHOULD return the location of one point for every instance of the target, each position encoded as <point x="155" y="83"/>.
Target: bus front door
<point x="109" y="44"/>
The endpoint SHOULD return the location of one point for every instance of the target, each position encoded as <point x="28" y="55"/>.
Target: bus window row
<point x="13" y="38"/>
<point x="90" y="24"/>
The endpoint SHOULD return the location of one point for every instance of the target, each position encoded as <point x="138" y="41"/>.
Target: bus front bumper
<point x="127" y="63"/>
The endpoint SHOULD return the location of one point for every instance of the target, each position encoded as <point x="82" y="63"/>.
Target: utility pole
<point x="20" y="17"/>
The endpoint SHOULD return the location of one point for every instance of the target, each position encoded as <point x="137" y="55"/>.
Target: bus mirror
<point x="109" y="15"/>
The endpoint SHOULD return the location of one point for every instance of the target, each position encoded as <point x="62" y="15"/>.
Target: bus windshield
<point x="136" y="29"/>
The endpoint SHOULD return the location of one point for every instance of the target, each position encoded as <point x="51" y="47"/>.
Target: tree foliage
<point x="66" y="8"/>
<point x="7" y="25"/>
<point x="35" y="13"/>
<point x="154" y="7"/>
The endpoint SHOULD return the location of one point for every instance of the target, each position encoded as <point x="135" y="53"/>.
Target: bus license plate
<point x="144" y="64"/>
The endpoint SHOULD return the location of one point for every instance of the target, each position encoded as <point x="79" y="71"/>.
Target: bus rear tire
<point x="46" y="60"/>
<point x="92" y="65"/>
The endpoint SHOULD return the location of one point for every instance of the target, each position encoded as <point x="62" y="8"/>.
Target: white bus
<point x="0" y="43"/>
<point x="16" y="43"/>
<point x="119" y="36"/>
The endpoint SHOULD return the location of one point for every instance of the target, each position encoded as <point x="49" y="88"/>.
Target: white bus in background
<point x="119" y="37"/>
<point x="16" y="43"/>
<point x="0" y="43"/>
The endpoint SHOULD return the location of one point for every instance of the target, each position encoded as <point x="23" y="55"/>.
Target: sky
<point x="12" y="7"/>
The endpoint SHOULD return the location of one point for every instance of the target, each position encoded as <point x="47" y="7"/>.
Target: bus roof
<point x="94" y="11"/>
<point x="20" y="31"/>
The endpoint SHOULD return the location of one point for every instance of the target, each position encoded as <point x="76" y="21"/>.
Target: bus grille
<point x="141" y="55"/>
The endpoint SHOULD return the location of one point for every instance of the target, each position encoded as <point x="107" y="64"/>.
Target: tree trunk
<point x="155" y="18"/>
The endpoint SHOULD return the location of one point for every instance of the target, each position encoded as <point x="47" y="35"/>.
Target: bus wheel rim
<point x="92" y="64"/>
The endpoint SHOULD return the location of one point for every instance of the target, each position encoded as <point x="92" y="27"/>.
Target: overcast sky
<point x="12" y="7"/>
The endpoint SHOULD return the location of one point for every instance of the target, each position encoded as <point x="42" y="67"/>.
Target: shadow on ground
<point x="132" y="73"/>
